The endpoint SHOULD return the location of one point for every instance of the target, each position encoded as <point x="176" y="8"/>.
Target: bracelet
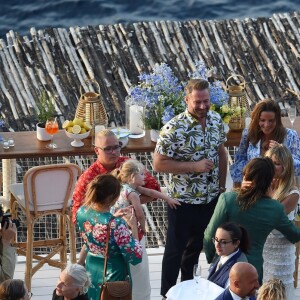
<point x="222" y="189"/>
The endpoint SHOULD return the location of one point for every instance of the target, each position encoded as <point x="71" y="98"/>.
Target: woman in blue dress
<point x="92" y="220"/>
<point x="265" y="131"/>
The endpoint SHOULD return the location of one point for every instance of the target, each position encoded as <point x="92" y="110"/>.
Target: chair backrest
<point x="50" y="187"/>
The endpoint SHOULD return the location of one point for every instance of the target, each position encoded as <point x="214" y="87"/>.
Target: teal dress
<point x="259" y="220"/>
<point x="123" y="248"/>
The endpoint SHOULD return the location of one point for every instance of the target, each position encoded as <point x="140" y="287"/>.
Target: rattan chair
<point x="46" y="192"/>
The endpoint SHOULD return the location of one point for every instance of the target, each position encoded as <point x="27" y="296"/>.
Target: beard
<point x="200" y="114"/>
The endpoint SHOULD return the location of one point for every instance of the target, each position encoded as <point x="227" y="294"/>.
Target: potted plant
<point x="45" y="110"/>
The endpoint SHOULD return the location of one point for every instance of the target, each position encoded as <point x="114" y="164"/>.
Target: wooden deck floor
<point x="44" y="280"/>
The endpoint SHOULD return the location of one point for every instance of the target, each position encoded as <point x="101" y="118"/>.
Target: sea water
<point x="20" y="15"/>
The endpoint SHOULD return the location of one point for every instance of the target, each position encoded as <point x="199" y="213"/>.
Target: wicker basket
<point x="238" y="99"/>
<point x="91" y="109"/>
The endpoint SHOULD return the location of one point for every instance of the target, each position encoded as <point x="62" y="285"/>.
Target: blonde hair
<point x="128" y="168"/>
<point x="104" y="133"/>
<point x="287" y="179"/>
<point x="273" y="289"/>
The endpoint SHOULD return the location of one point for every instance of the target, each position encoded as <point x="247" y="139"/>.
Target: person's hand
<point x="9" y="233"/>
<point x="246" y="184"/>
<point x="273" y="143"/>
<point x="172" y="202"/>
<point x="130" y="218"/>
<point x="123" y="211"/>
<point x="203" y="165"/>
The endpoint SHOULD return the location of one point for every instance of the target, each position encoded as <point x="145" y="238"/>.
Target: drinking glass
<point x="197" y="276"/>
<point x="51" y="128"/>
<point x="197" y="272"/>
<point x="292" y="113"/>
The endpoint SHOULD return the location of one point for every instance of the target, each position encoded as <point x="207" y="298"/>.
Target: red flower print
<point x="122" y="235"/>
<point x="87" y="227"/>
<point x="138" y="250"/>
<point x="96" y="249"/>
<point x="99" y="232"/>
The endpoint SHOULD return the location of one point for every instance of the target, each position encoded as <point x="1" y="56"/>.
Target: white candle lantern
<point x="135" y="119"/>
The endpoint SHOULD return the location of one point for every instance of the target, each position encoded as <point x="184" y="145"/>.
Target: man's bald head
<point x="241" y="269"/>
<point x="107" y="148"/>
<point x="243" y="279"/>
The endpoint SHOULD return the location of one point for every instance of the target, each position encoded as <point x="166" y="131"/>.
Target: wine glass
<point x="292" y="113"/>
<point x="51" y="128"/>
<point x="197" y="275"/>
<point x="197" y="272"/>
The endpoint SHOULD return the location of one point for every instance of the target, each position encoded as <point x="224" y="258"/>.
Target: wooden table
<point x="27" y="146"/>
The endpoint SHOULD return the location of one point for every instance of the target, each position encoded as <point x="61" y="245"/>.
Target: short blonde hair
<point x="105" y="132"/>
<point x="272" y="289"/>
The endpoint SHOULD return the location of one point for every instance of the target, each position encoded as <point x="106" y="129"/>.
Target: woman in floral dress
<point x="265" y="131"/>
<point x="92" y="220"/>
<point x="279" y="253"/>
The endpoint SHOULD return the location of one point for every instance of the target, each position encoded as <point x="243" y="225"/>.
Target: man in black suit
<point x="243" y="282"/>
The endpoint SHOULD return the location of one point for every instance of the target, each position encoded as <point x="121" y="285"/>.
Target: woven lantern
<point x="238" y="103"/>
<point x="91" y="109"/>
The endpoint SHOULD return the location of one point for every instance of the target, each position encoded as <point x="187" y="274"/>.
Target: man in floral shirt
<point x="108" y="158"/>
<point x="191" y="149"/>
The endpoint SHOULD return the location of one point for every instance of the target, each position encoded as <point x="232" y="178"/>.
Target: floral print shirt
<point x="94" y="170"/>
<point x="93" y="229"/>
<point x="247" y="151"/>
<point x="183" y="139"/>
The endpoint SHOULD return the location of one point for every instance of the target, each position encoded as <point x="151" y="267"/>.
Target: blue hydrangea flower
<point x="217" y="94"/>
<point x="161" y="93"/>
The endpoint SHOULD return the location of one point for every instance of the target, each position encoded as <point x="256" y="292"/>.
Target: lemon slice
<point x="76" y="129"/>
<point x="66" y="124"/>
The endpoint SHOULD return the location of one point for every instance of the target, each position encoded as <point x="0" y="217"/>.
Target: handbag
<point x="114" y="290"/>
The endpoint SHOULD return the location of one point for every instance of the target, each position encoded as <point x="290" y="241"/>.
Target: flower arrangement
<point x="218" y="97"/>
<point x="163" y="95"/>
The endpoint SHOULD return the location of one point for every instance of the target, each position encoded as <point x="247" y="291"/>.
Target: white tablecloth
<point x="187" y="290"/>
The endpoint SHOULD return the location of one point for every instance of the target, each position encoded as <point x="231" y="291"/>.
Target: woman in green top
<point x="252" y="208"/>
<point x="92" y="220"/>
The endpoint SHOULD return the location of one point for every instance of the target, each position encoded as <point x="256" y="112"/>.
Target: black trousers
<point x="186" y="226"/>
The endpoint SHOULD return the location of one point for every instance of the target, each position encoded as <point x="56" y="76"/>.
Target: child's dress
<point x="141" y="288"/>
